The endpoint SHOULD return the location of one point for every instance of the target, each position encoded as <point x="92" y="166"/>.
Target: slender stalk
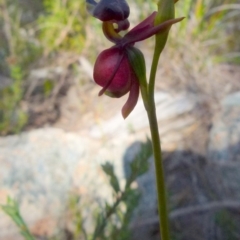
<point x="160" y="183"/>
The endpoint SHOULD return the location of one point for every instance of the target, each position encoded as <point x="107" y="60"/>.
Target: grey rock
<point x="41" y="168"/>
<point x="37" y="169"/>
<point x="169" y="109"/>
<point x="224" y="147"/>
<point x="4" y="81"/>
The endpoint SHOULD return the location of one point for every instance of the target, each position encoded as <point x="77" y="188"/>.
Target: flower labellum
<point x="114" y="73"/>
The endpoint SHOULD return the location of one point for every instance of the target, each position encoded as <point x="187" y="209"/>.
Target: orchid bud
<point x="166" y="12"/>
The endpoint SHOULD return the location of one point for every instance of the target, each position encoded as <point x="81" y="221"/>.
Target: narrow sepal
<point x="148" y="22"/>
<point x="137" y="61"/>
<point x="132" y="98"/>
<point x="138" y="65"/>
<point x="139" y="35"/>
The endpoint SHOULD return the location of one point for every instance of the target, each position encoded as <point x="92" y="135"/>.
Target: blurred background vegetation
<point x="42" y="33"/>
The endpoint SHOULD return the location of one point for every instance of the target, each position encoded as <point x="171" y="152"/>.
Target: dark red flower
<point x="113" y="70"/>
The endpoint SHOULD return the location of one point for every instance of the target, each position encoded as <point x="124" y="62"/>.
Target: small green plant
<point x="12" y="117"/>
<point x="12" y="210"/>
<point x="74" y="204"/>
<point x="113" y="223"/>
<point x="228" y="226"/>
<point x="18" y="51"/>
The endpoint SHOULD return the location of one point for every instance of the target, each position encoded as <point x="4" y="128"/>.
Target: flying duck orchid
<point x="114" y="69"/>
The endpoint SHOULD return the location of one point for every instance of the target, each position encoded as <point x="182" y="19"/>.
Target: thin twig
<point x="108" y="214"/>
<point x="183" y="212"/>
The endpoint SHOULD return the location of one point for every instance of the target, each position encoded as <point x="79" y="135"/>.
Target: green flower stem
<point x="160" y="183"/>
